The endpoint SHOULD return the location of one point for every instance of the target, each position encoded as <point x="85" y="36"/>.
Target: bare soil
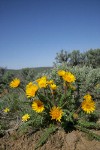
<point x="60" y="140"/>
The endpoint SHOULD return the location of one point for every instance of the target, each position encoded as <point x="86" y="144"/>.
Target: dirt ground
<point x="60" y="140"/>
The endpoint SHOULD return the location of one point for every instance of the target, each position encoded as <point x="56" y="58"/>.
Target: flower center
<point x="39" y="105"/>
<point x="87" y="106"/>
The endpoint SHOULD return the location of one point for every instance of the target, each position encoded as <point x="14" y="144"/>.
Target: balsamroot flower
<point x="29" y="85"/>
<point x="88" y="96"/>
<point x="31" y="89"/>
<point x="88" y="106"/>
<point x="69" y="77"/>
<point x="50" y="82"/>
<point x="56" y="113"/>
<point x="42" y="82"/>
<point x="38" y="106"/>
<point x="25" y="117"/>
<point x="53" y="86"/>
<point x="61" y="73"/>
<point x="15" y="83"/>
<point x="6" y="110"/>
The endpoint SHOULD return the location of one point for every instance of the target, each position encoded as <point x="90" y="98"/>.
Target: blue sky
<point x="33" y="31"/>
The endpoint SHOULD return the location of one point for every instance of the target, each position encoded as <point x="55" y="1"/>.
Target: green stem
<point x="92" y="134"/>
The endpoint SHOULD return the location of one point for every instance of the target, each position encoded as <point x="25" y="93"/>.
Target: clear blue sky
<point x="33" y="31"/>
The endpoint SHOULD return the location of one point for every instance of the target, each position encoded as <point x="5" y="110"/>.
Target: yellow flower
<point x="53" y="86"/>
<point x="88" y="106"/>
<point x="25" y="117"/>
<point x="29" y="85"/>
<point x="61" y="72"/>
<point x="38" y="106"/>
<point x="15" y="83"/>
<point x="6" y="110"/>
<point x="42" y="82"/>
<point x="56" y="113"/>
<point x="50" y="82"/>
<point x="31" y="89"/>
<point x="88" y="97"/>
<point x="69" y="77"/>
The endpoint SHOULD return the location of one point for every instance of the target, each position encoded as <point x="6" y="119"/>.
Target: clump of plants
<point x="54" y="103"/>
